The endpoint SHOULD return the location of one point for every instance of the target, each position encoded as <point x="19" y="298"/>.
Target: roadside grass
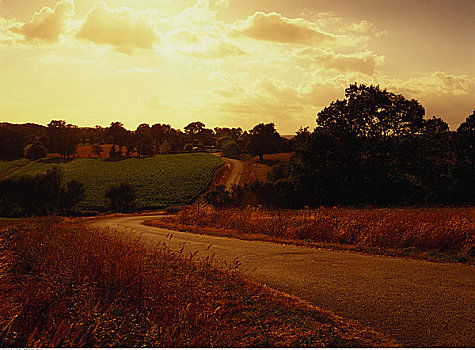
<point x="437" y="234"/>
<point x="63" y="284"/>
<point x="4" y="222"/>
<point x="161" y="181"/>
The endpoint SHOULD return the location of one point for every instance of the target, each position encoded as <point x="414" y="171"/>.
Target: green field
<point x="161" y="181"/>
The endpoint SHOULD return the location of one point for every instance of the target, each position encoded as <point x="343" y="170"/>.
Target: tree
<point x="42" y="194"/>
<point x="122" y="197"/>
<point x="117" y="135"/>
<point x="63" y="138"/>
<point x="35" y="151"/>
<point x="145" y="144"/>
<point x="231" y="150"/>
<point x="160" y="134"/>
<point x="71" y="195"/>
<point x="465" y="163"/>
<point x="11" y="144"/>
<point x="371" y="112"/>
<point x="264" y="138"/>
<point x="374" y="148"/>
<point x="194" y="128"/>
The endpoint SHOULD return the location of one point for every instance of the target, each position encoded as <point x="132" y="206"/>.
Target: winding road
<point x="236" y="173"/>
<point x="416" y="303"/>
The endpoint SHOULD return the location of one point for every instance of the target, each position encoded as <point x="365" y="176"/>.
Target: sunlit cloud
<point x="274" y="27"/>
<point x="151" y="101"/>
<point x="125" y="30"/>
<point x="439" y="83"/>
<point x="362" y="62"/>
<point x="213" y="49"/>
<point x="222" y="4"/>
<point x="209" y="60"/>
<point x="47" y="24"/>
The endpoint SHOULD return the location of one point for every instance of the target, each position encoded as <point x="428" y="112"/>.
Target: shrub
<point x="35" y="151"/>
<point x="231" y="150"/>
<point x="122" y="197"/>
<point x="38" y="195"/>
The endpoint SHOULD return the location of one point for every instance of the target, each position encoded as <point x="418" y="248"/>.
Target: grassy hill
<point x="161" y="181"/>
<point x="8" y="164"/>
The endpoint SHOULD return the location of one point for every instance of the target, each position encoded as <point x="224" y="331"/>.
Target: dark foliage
<point x="63" y="138"/>
<point x="122" y="197"/>
<point x="264" y="138"/>
<point x="38" y="195"/>
<point x="11" y="144"/>
<point x="375" y="148"/>
<point x="36" y="151"/>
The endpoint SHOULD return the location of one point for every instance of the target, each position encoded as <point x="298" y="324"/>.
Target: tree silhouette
<point x="264" y="138"/>
<point x="63" y="138"/>
<point x="118" y="135"/>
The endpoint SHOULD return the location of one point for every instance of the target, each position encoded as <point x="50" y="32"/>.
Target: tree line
<point x="35" y="141"/>
<point x="373" y="148"/>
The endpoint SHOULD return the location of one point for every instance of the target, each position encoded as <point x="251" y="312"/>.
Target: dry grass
<point x="446" y="234"/>
<point x="65" y="285"/>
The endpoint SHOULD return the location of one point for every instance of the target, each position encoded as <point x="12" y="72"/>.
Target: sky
<point x="229" y="63"/>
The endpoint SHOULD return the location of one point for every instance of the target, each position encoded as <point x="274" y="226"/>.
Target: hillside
<point x="161" y="181"/>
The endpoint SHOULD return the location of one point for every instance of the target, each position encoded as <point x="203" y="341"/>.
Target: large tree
<point x="63" y="138"/>
<point x="264" y="138"/>
<point x="144" y="140"/>
<point x="374" y="148"/>
<point x="117" y="135"/>
<point x="371" y="112"/>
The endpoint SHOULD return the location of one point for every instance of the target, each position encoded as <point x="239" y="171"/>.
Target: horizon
<point x="227" y="62"/>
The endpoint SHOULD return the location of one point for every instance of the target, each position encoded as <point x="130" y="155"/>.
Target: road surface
<point x="416" y="303"/>
<point x="236" y="173"/>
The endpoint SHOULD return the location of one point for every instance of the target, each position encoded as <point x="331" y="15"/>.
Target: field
<point x="7" y="164"/>
<point x="255" y="170"/>
<point x="65" y="285"/>
<point x="446" y="234"/>
<point x="161" y="181"/>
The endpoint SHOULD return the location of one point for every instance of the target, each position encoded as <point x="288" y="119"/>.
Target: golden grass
<point x="440" y="233"/>
<point x="63" y="284"/>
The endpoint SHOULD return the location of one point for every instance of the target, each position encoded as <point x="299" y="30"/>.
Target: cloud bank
<point x="47" y="24"/>
<point x="125" y="30"/>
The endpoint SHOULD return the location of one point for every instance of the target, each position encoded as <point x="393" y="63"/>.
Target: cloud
<point x="439" y="83"/>
<point x="124" y="29"/>
<point x="276" y="28"/>
<point x="213" y="49"/>
<point x="47" y="24"/>
<point x="222" y="4"/>
<point x="361" y="62"/>
<point x="184" y="36"/>
<point x="197" y="15"/>
<point x="151" y="101"/>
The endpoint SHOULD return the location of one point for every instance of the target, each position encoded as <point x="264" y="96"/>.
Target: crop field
<point x="161" y="181"/>
<point x="7" y="164"/>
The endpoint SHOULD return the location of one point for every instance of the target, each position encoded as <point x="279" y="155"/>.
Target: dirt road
<point x="236" y="173"/>
<point x="416" y="303"/>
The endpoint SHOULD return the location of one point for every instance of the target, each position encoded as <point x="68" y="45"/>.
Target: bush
<point x="71" y="194"/>
<point x="122" y="197"/>
<point x="219" y="197"/>
<point x="231" y="150"/>
<point x="36" y="151"/>
<point x="41" y="194"/>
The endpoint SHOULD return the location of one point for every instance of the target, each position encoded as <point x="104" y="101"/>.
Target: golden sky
<point x="228" y="62"/>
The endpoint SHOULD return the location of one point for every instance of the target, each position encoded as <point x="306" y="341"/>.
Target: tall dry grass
<point x="63" y="284"/>
<point x="449" y="230"/>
